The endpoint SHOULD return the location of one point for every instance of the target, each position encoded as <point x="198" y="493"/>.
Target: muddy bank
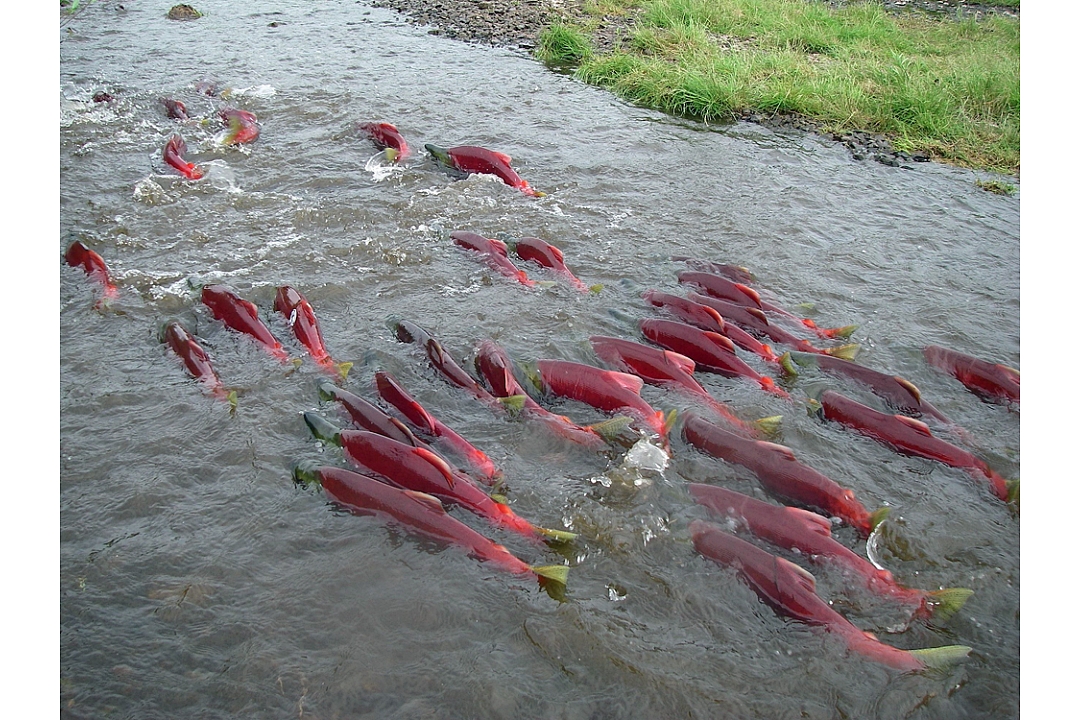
<point x="518" y="23"/>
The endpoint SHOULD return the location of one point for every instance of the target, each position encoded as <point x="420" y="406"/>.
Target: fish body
<point x="242" y="316"/>
<point x="392" y="392"/>
<point x="174" y="152"/>
<point x="791" y="591"/>
<point x="419" y="469"/>
<point x="242" y="126"/>
<point x="301" y="319"/>
<point x="417" y="512"/>
<point x="606" y="390"/>
<point x="777" y="469"/>
<point x="710" y="351"/>
<point x="906" y="436"/>
<point x="494" y="252"/>
<point x="707" y="318"/>
<point x="663" y="368"/>
<point x="496" y="368"/>
<point x="194" y="357"/>
<point x="721" y="287"/>
<point x="175" y="109"/>
<point x="80" y="256"/>
<point x="366" y="416"/>
<point x="386" y="137"/>
<point x="990" y="381"/>
<point x="737" y="273"/>
<point x="473" y="159"/>
<point x="900" y="394"/>
<point x="445" y="365"/>
<point x="546" y="255"/>
<point x="809" y="534"/>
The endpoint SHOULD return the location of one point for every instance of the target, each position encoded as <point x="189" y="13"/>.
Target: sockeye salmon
<point x="990" y="381"/>
<point x="242" y="316"/>
<point x="173" y="154"/>
<point x="472" y="159"/>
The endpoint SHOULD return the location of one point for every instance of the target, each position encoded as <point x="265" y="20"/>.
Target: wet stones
<point x="183" y="12"/>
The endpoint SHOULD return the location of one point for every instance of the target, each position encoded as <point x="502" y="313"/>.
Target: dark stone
<point x="183" y="12"/>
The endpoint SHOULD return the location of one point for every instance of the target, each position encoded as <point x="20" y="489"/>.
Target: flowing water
<point x="198" y="581"/>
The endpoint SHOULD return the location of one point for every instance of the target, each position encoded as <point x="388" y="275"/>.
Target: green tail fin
<point x="1012" y="489"/>
<point x="555" y="573"/>
<point x="843" y="332"/>
<point x="560" y="536"/>
<point x="844" y="352"/>
<point x="232" y="397"/>
<point x="305" y="472"/>
<point x="669" y="421"/>
<point x="595" y="289"/>
<point x="769" y="425"/>
<point x="513" y="403"/>
<point x="322" y="428"/>
<point x="788" y="366"/>
<point x="947" y="601"/>
<point x="343" y="369"/>
<point x="391" y="154"/>
<point x="878" y="516"/>
<point x="546" y="283"/>
<point x="611" y="429"/>
<point x="941" y="657"/>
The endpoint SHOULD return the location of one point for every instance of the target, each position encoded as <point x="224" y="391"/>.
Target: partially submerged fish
<point x="195" y="359"/>
<point x="990" y="381"/>
<point x="494" y="252"/>
<point x="241" y="126"/>
<point x="418" y="512"/>
<point x="549" y="256"/>
<point x="791" y="591"/>
<point x="242" y="316"/>
<point x="912" y="437"/>
<point x="387" y="138"/>
<point x="301" y="319"/>
<point x="174" y="152"/>
<point x="175" y="109"/>
<point x="472" y="159"/>
<point x="710" y="351"/>
<point x="777" y="469"/>
<point x="80" y="256"/>
<point x="810" y="535"/>
<point x="708" y="318"/>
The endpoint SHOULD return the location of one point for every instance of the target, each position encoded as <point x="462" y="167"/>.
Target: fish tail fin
<point x="947" y="602"/>
<point x="611" y="429"/>
<point x="391" y="155"/>
<point x="595" y="289"/>
<point x="878" y="516"/>
<point x="555" y="536"/>
<point x="844" y="352"/>
<point x="667" y="421"/>
<point x="769" y="425"/>
<point x="343" y="369"/>
<point x="231" y="398"/>
<point x="1012" y="491"/>
<point x="553" y="573"/>
<point x="838" y="332"/>
<point x="943" y="657"/>
<point x="788" y="365"/>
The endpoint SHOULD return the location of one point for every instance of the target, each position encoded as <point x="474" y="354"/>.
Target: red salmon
<point x="195" y="359"/>
<point x="301" y="318"/>
<point x="549" y="256"/>
<point x="791" y="591"/>
<point x="243" y="126"/>
<point x="174" y="152"/>
<point x="494" y="252"/>
<point x="78" y="255"/>
<point x="707" y="318"/>
<point x="242" y="316"/>
<point x="990" y="381"/>
<point x="386" y="137"/>
<point x="472" y="159"/>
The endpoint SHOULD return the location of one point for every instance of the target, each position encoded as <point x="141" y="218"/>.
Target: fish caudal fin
<point x="769" y="425"/>
<point x="513" y="403"/>
<point x="941" y="657"/>
<point x="555" y="536"/>
<point x="1012" y="492"/>
<point x="844" y="352"/>
<point x="611" y="429"/>
<point x="878" y="516"/>
<point x="554" y="573"/>
<point x="343" y="369"/>
<point x="946" y="602"/>
<point x="838" y="332"/>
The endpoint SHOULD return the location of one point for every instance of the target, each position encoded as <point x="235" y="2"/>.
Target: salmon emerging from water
<point x="80" y="256"/>
<point x="472" y="159"/>
<point x="174" y="152"/>
<point x="990" y="381"/>
<point x="386" y="137"/>
<point x="242" y="316"/>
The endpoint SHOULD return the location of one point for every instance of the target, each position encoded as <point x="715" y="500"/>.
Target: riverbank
<point x="528" y="24"/>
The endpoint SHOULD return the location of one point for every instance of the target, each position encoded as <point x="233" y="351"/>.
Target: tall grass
<point x="946" y="86"/>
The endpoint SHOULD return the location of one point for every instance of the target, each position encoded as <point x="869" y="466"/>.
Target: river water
<point x="198" y="581"/>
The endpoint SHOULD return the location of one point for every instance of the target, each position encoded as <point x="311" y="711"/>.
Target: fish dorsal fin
<point x="409" y="434"/>
<point x="783" y="450"/>
<point x="681" y="361"/>
<point x="910" y="387"/>
<point x="502" y="156"/>
<point x="626" y="380"/>
<point x="811" y="521"/>
<point x="430" y="501"/>
<point x="759" y="314"/>
<point x="917" y="425"/>
<point x="750" y="293"/>
<point x="802" y="576"/>
<point x="1012" y="372"/>
<point x="556" y="252"/>
<point x="498" y="245"/>
<point x="715" y="314"/>
<point x="438" y="463"/>
<point x="719" y="339"/>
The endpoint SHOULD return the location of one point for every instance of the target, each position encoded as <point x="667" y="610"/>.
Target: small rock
<point x="183" y="12"/>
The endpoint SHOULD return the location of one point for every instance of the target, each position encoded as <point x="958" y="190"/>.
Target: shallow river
<point x="198" y="581"/>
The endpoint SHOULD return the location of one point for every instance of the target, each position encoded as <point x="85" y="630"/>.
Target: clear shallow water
<point x="196" y="580"/>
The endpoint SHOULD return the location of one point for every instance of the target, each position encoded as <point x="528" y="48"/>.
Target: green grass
<point x="946" y="86"/>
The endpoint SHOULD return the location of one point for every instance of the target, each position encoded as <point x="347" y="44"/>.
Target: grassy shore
<point x="947" y="86"/>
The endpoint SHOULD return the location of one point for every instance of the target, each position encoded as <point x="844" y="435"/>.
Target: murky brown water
<point x="198" y="581"/>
